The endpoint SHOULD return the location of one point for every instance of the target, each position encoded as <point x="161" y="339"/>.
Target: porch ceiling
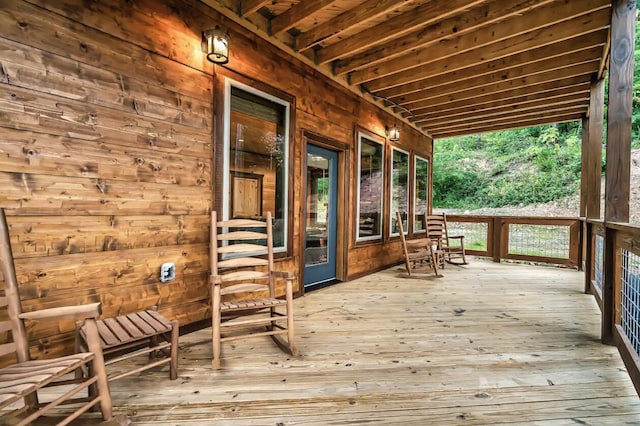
<point x="449" y="67"/>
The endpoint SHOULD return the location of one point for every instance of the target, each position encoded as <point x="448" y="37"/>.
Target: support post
<point x="623" y="21"/>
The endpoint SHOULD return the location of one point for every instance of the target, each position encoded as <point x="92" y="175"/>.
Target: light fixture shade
<point x="215" y="43"/>
<point x="394" y="134"/>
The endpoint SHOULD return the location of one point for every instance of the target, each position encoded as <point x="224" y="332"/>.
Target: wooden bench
<point x="135" y="334"/>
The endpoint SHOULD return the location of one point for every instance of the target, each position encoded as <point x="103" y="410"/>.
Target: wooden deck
<point x="486" y="344"/>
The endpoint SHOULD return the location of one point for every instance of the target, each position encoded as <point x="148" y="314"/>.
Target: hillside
<point x="566" y="206"/>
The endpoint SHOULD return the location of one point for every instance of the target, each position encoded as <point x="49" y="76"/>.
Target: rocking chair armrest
<point x="79" y="312"/>
<point x="215" y="279"/>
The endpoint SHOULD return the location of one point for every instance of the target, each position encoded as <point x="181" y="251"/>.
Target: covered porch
<point x="488" y="343"/>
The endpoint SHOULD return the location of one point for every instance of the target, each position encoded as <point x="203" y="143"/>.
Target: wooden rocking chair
<point x="243" y="280"/>
<point x="21" y="381"/>
<point x="417" y="252"/>
<point x="451" y="246"/>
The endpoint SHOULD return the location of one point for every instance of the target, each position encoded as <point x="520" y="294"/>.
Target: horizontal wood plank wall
<point x="106" y="151"/>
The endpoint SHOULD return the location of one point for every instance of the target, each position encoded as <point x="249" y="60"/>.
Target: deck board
<point x="486" y="344"/>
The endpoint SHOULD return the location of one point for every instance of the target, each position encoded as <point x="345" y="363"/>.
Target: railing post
<point x="588" y="257"/>
<point x="581" y="231"/>
<point x="497" y="239"/>
<point x="611" y="265"/>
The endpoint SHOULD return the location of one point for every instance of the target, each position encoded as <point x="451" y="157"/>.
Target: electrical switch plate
<point x="167" y="272"/>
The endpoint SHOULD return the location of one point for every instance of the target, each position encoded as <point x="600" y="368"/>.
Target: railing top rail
<point x="510" y="217"/>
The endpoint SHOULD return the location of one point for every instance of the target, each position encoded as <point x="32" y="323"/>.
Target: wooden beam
<point x="518" y="74"/>
<point x="542" y="27"/>
<point x="509" y="125"/>
<point x="482" y="16"/>
<point x="584" y="71"/>
<point x="250" y="7"/>
<point x="553" y="96"/>
<point x="426" y="79"/>
<point x="516" y="95"/>
<point x="620" y="111"/>
<point x="594" y="152"/>
<point x="358" y="15"/>
<point x="544" y="104"/>
<point x="584" y="155"/>
<point x="394" y="27"/>
<point x="297" y="13"/>
<point x="521" y="115"/>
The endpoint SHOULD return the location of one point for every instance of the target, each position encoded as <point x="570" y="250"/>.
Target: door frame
<point x="342" y="149"/>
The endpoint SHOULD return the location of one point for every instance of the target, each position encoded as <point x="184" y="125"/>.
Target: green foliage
<point x="521" y="166"/>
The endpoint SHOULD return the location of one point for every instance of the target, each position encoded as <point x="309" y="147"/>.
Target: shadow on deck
<point x="488" y="343"/>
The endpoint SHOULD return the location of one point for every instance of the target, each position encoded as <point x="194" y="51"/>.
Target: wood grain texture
<point x="487" y="344"/>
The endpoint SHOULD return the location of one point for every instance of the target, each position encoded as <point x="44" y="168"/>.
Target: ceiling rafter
<point x="484" y="109"/>
<point x="553" y="51"/>
<point x="511" y="124"/>
<point x="250" y="7"/>
<point x="362" y="13"/>
<point x="534" y="90"/>
<point x="519" y="74"/>
<point x="297" y="13"/>
<point x="524" y="113"/>
<point x="583" y="71"/>
<point x="392" y="28"/>
<point x="479" y="17"/>
<point x="553" y="24"/>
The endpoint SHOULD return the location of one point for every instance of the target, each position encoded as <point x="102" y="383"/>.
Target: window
<point x="421" y="191"/>
<point x="256" y="158"/>
<point x="399" y="190"/>
<point x="370" y="188"/>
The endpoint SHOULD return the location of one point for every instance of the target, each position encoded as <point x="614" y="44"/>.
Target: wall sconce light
<point x="215" y="43"/>
<point x="393" y="133"/>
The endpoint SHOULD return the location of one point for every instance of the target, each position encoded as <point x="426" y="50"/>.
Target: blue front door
<point x="321" y="216"/>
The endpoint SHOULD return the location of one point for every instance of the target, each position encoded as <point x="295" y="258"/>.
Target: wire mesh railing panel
<point x="539" y="240"/>
<point x="630" y="306"/>
<point x="598" y="262"/>
<point x="475" y="233"/>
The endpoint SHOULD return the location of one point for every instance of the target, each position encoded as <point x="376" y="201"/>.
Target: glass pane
<point x="257" y="160"/>
<point x="317" y="210"/>
<point x="371" y="184"/>
<point x="399" y="190"/>
<point x="421" y="180"/>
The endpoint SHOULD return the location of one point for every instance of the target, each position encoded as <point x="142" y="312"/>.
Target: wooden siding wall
<point x="106" y="151"/>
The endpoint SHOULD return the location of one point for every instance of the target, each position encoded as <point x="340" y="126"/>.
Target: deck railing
<point x="611" y="254"/>
<point x="613" y="277"/>
<point x="535" y="239"/>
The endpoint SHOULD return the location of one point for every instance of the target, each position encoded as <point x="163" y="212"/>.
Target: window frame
<point x="392" y="213"/>
<point x="360" y="135"/>
<point x="225" y="199"/>
<point x="415" y="189"/>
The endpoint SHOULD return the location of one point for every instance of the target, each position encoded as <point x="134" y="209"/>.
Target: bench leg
<point x="173" y="366"/>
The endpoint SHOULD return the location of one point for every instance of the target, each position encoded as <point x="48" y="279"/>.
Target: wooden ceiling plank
<point x="572" y="92"/>
<point x="521" y="74"/>
<point x="504" y="95"/>
<point x="511" y="124"/>
<point x="394" y="27"/>
<point x="516" y="115"/>
<point x="585" y="71"/>
<point x="364" y="12"/>
<point x="550" y="52"/>
<point x="250" y="7"/>
<point x="297" y="13"/>
<point x="482" y="16"/>
<point x="513" y="109"/>
<point x="548" y="24"/>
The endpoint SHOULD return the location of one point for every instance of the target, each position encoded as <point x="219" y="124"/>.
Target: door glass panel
<point x="317" y="210"/>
